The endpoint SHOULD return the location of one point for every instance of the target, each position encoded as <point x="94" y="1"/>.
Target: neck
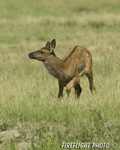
<point x="54" y="66"/>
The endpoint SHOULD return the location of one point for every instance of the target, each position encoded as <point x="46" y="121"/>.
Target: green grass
<point x="28" y="93"/>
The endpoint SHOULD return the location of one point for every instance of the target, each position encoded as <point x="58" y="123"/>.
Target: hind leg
<point x="60" y="94"/>
<point x="78" y="90"/>
<point x="90" y="78"/>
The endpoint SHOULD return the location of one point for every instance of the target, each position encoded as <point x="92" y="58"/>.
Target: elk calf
<point x="68" y="70"/>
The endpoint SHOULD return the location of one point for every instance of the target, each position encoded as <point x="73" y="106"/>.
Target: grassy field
<point x="28" y="93"/>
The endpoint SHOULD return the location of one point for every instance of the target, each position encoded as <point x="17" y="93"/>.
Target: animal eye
<point x="41" y="52"/>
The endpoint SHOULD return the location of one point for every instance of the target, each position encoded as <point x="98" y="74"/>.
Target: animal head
<point x="44" y="52"/>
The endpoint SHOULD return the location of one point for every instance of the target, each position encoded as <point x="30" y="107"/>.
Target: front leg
<point x="75" y="81"/>
<point x="60" y="94"/>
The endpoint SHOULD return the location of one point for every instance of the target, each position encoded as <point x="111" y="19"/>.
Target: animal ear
<point x="53" y="44"/>
<point x="47" y="44"/>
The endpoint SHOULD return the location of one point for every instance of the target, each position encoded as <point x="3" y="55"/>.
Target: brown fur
<point x="76" y="63"/>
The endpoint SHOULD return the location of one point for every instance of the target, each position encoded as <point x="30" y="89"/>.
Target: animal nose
<point x="30" y="55"/>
